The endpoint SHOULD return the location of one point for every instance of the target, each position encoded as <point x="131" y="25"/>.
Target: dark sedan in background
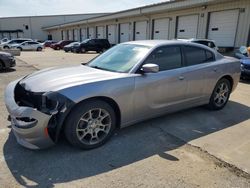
<point x="98" y="45"/>
<point x="6" y="60"/>
<point x="59" y="45"/>
<point x="69" y="47"/>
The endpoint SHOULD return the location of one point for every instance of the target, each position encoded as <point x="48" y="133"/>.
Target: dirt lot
<point x="192" y="148"/>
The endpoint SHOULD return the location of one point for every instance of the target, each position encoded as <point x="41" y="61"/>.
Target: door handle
<point x="181" y="77"/>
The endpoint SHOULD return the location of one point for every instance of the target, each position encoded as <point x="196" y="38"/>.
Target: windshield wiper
<point x="101" y="68"/>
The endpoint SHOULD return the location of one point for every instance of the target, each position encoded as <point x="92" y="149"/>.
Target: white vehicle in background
<point x="10" y="43"/>
<point x="206" y="42"/>
<point x="29" y="45"/>
<point x="4" y="40"/>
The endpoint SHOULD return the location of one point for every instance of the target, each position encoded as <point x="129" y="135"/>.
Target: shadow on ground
<point x="63" y="163"/>
<point x="7" y="70"/>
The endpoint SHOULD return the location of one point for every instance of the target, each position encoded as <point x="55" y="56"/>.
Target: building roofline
<point x="163" y="6"/>
<point x="104" y="13"/>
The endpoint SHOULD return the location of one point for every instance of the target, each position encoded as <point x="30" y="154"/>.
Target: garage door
<point x="187" y="26"/>
<point x="112" y="34"/>
<point x="91" y="33"/>
<point x="83" y="34"/>
<point x="161" y="28"/>
<point x="70" y="34"/>
<point x="64" y="35"/>
<point x="141" y="30"/>
<point x="76" y="35"/>
<point x="222" y="27"/>
<point x="101" y="32"/>
<point x="124" y="32"/>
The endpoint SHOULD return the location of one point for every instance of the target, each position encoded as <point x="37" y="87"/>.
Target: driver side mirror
<point x="150" y="68"/>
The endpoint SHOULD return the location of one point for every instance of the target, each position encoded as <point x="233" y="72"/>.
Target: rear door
<point x="158" y="92"/>
<point x="197" y="65"/>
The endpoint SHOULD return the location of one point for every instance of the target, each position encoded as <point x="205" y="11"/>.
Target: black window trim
<point x="185" y="58"/>
<point x="173" y="45"/>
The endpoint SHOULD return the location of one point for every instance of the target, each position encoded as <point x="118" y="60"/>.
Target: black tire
<point x="6" y="47"/>
<point x="1" y="66"/>
<point x="19" y="48"/>
<point x="74" y="121"/>
<point x="215" y="102"/>
<point x="57" y="48"/>
<point x="39" y="49"/>
<point x="83" y="50"/>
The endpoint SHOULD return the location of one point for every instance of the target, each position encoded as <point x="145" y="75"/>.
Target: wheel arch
<point x="108" y="100"/>
<point x="229" y="78"/>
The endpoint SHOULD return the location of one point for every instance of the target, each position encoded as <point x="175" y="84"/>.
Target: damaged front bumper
<point x="29" y="125"/>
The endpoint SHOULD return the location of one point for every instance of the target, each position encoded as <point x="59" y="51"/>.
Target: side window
<point x="209" y="56"/>
<point x="166" y="57"/>
<point x="194" y="55"/>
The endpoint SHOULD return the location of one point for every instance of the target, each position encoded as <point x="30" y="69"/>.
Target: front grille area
<point x="27" y="98"/>
<point x="247" y="67"/>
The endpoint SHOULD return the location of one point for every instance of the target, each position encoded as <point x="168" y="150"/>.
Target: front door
<point x="156" y="93"/>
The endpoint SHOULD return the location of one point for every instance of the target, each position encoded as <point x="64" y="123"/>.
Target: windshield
<point x="120" y="58"/>
<point x="85" y="41"/>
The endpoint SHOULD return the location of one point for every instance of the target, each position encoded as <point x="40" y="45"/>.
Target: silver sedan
<point x="127" y="84"/>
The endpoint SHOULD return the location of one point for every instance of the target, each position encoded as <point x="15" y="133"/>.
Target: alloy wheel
<point x="93" y="126"/>
<point x="221" y="94"/>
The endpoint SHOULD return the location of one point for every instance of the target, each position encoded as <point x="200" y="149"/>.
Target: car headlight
<point x="242" y="67"/>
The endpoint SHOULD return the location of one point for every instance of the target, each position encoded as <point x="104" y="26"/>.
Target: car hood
<point x="245" y="61"/>
<point x="54" y="79"/>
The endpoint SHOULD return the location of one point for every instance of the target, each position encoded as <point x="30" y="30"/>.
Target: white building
<point x="31" y="26"/>
<point x="225" y="21"/>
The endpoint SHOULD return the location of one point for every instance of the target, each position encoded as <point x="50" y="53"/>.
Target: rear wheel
<point x="39" y="49"/>
<point x="19" y="48"/>
<point x="6" y="47"/>
<point x="57" y="48"/>
<point x="220" y="95"/>
<point x="90" y="124"/>
<point x="83" y="50"/>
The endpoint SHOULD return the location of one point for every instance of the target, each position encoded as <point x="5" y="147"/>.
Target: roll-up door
<point x="223" y="26"/>
<point x="187" y="26"/>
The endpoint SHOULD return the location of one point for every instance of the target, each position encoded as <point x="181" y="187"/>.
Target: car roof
<point x="156" y="43"/>
<point x="193" y="40"/>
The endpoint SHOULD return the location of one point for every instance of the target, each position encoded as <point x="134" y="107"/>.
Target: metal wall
<point x="32" y="26"/>
<point x="202" y="10"/>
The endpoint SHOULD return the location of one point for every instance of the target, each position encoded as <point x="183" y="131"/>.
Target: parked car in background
<point x="59" y="45"/>
<point x="129" y="83"/>
<point x="98" y="45"/>
<point x="48" y="43"/>
<point x="69" y="47"/>
<point x="6" y="60"/>
<point x="206" y="42"/>
<point x="243" y="55"/>
<point x="4" y="40"/>
<point x="8" y="44"/>
<point x="29" y="46"/>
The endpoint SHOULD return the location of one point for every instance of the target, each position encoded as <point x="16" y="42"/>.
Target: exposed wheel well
<point x="230" y="79"/>
<point x="108" y="100"/>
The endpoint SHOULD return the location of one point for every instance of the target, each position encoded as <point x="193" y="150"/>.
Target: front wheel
<point x="90" y="124"/>
<point x="39" y="49"/>
<point x="220" y="95"/>
<point x="19" y="48"/>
